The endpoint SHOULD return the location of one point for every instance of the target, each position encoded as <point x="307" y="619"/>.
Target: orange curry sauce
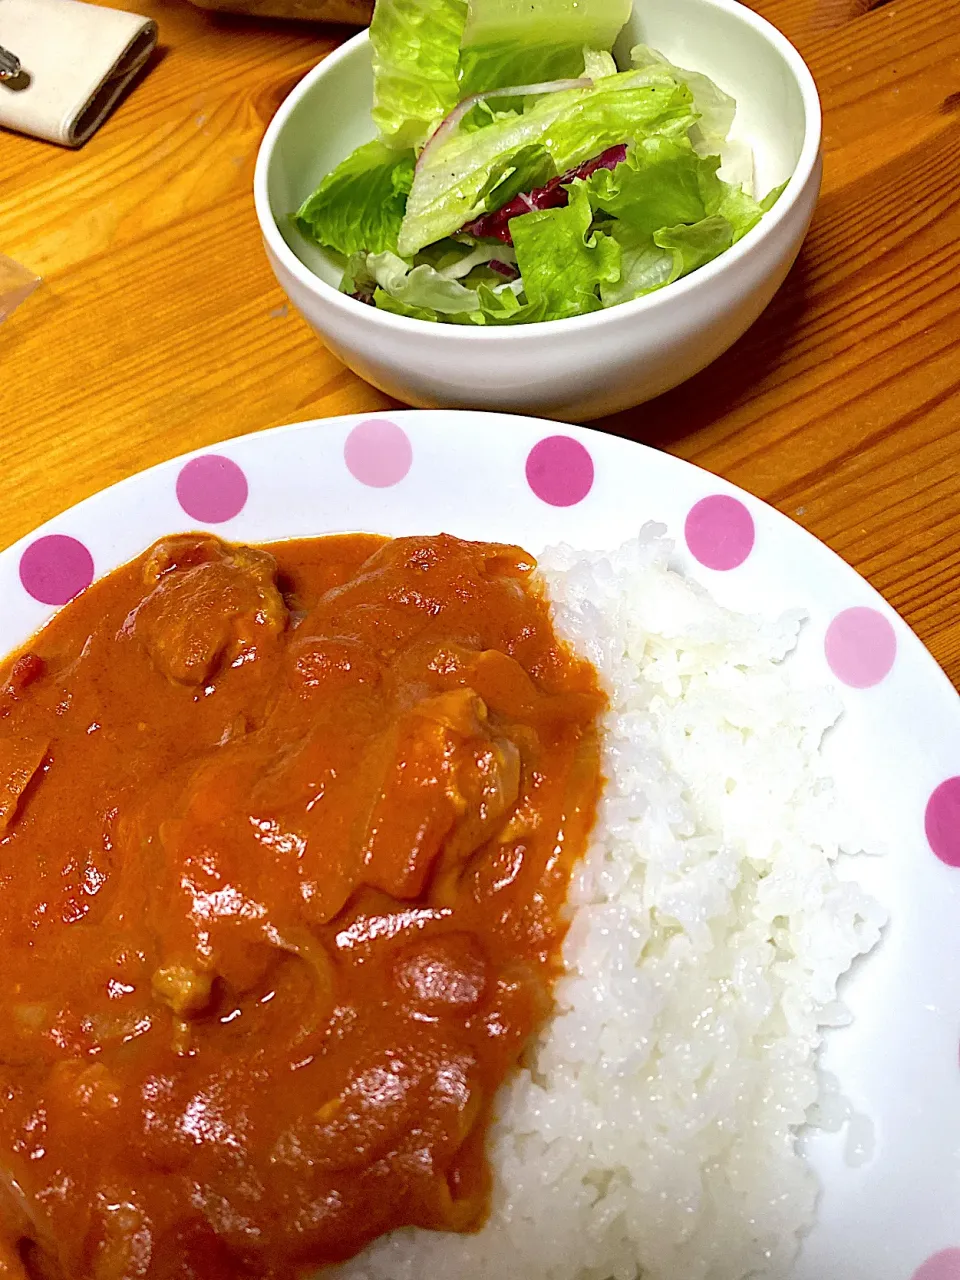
<point x="285" y="839"/>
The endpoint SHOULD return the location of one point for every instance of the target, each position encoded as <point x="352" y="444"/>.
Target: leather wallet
<point x="76" y="59"/>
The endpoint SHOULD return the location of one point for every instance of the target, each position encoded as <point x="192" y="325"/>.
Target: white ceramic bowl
<point x="590" y="365"/>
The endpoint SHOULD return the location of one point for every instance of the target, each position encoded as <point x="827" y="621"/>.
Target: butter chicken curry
<point x="285" y="838"/>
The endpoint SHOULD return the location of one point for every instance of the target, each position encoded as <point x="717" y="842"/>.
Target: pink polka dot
<point x="861" y="646"/>
<point x="56" y="568"/>
<point x="942" y="1266"/>
<point x="719" y="531"/>
<point x="212" y="489"/>
<point x="560" y="471"/>
<point x="378" y="453"/>
<point x="942" y="823"/>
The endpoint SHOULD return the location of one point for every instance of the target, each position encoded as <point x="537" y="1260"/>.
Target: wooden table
<point x="159" y="327"/>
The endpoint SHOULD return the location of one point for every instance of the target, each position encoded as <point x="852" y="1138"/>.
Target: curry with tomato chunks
<point x="285" y="839"/>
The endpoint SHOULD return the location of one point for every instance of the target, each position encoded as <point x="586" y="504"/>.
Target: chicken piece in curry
<point x="285" y="840"/>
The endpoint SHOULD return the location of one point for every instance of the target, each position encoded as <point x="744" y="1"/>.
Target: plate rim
<point x="582" y="433"/>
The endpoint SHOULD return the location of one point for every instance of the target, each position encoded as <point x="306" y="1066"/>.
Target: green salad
<point x="519" y="176"/>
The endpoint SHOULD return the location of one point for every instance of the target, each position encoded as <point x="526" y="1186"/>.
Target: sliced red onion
<point x="495" y="226"/>
<point x="450" y="122"/>
<point x="506" y="269"/>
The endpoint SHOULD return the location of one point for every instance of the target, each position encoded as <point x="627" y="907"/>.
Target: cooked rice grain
<point x="654" y="1133"/>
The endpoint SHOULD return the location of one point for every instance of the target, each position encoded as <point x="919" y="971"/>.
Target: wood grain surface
<point x="159" y="328"/>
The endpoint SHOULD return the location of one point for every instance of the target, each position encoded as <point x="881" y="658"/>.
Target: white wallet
<point x="75" y="61"/>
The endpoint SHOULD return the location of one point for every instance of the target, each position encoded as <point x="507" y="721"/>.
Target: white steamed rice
<point x="653" y="1134"/>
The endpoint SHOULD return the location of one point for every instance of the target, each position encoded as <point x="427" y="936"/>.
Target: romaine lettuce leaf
<point x="500" y="65"/>
<point x="484" y="113"/>
<point x="503" y="305"/>
<point x="771" y="198"/>
<point x="644" y="266"/>
<point x="360" y="205"/>
<point x="430" y="54"/>
<point x="528" y="41"/>
<point x="498" y="307"/>
<point x="451" y="181"/>
<point x="562" y="266"/>
<point x="357" y="279"/>
<point x="421" y="286"/>
<point x="537" y="24"/>
<point x="598" y="64"/>
<point x="736" y="162"/>
<point x="618" y="109"/>
<point x="659" y="184"/>
<point x="386" y="302"/>
<point x="733" y="203"/>
<point x="523" y="170"/>
<point x="455" y="259"/>
<point x="664" y="182"/>
<point x="738" y="209"/>
<point x="694" y="246"/>
<point x="416" y="53"/>
<point x="650" y="261"/>
<point x="715" y="108"/>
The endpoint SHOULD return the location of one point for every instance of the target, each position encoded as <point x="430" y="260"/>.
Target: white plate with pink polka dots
<point x="896" y="753"/>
